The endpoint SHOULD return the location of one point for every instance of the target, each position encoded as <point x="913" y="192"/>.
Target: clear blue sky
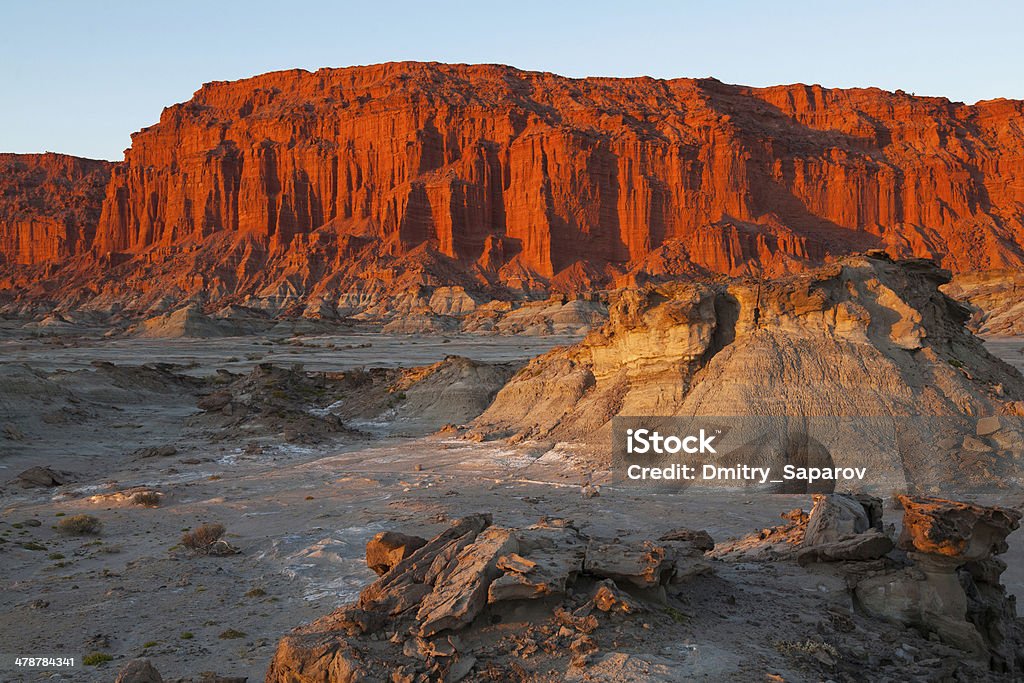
<point x="80" y="77"/>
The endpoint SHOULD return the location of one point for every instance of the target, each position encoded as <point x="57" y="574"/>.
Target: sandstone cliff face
<point x="293" y="186"/>
<point x="853" y="349"/>
<point x="49" y="206"/>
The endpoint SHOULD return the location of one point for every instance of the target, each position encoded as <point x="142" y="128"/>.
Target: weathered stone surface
<point x="954" y="529"/>
<point x="554" y="557"/>
<point x="834" y="517"/>
<point x="292" y="185"/>
<point x="388" y="548"/>
<point x="644" y="565"/>
<point x="460" y="592"/>
<point x="869" y="545"/>
<point x="608" y="598"/>
<point x="138" y="671"/>
<point x="436" y="600"/>
<point x="953" y="588"/>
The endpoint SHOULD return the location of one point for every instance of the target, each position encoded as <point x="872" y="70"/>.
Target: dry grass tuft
<point x="149" y="499"/>
<point x="80" y="525"/>
<point x="208" y="539"/>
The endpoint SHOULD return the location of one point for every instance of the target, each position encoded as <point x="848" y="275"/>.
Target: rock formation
<point x="352" y="185"/>
<point x="947" y="586"/>
<point x="468" y="576"/>
<point x="864" y="351"/>
<point x="952" y="588"/>
<point x="49" y="206"/>
<point x="480" y="602"/>
<point x="996" y="299"/>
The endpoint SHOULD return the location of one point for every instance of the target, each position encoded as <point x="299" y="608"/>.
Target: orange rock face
<point x="519" y="177"/>
<point x="49" y="206"/>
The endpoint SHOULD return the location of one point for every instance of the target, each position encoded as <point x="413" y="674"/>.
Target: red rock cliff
<point x="522" y="176"/>
<point x="49" y="205"/>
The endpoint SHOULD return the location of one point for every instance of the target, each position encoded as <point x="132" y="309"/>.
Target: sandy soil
<point x="301" y="515"/>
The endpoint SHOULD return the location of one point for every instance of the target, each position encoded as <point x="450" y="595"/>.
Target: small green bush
<point x="96" y="658"/>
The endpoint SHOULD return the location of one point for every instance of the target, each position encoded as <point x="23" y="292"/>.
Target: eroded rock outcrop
<point x="437" y="608"/>
<point x="952" y="589"/>
<point x="356" y="185"/>
<point x="864" y="351"/>
<point x="839" y="528"/>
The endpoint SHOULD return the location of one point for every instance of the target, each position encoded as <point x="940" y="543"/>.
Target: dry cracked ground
<point x="304" y="466"/>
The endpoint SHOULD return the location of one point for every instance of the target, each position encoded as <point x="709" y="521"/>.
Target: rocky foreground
<point x="482" y="602"/>
<point x="547" y="602"/>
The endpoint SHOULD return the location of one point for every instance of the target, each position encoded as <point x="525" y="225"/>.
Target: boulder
<point x="553" y="557"/>
<point x="138" y="671"/>
<point x="608" y="598"/>
<point x="699" y="539"/>
<point x="870" y="545"/>
<point x="461" y="590"/>
<point x="643" y="565"/>
<point x="40" y="477"/>
<point x="953" y="529"/>
<point x="834" y="517"/>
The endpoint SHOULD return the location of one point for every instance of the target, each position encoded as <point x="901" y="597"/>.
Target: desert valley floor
<point x="301" y="510"/>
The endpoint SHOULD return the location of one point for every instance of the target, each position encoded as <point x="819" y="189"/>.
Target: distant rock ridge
<point x="295" y="187"/>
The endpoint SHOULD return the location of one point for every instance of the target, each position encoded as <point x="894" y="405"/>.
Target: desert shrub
<point x="231" y="633"/>
<point x="208" y="539"/>
<point x="149" y="499"/>
<point x="80" y="525"/>
<point x="187" y="635"/>
<point x="96" y="658"/>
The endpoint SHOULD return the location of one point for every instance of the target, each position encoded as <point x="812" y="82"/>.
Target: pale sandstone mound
<point x="847" y="359"/>
<point x="189" y="321"/>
